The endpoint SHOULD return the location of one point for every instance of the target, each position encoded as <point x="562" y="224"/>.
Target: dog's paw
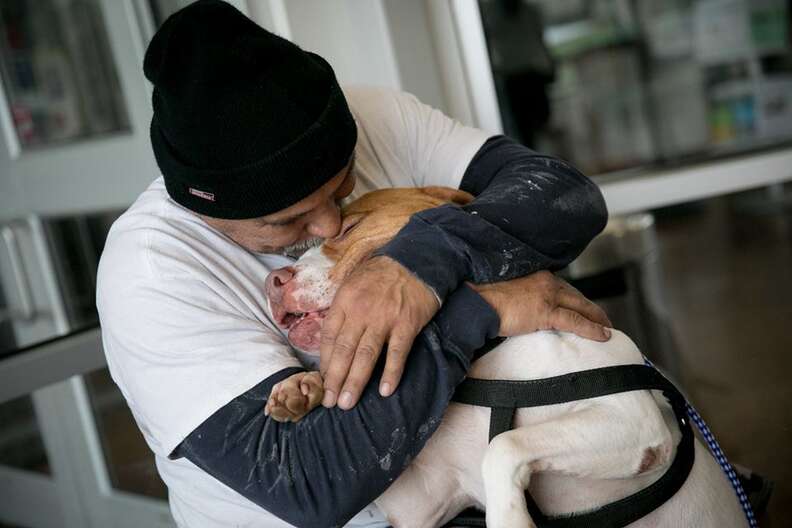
<point x="294" y="397"/>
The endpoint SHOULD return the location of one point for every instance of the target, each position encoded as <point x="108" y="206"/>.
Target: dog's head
<point x="300" y="295"/>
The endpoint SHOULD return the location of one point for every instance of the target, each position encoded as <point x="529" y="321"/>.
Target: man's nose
<point x="276" y="280"/>
<point x="327" y="222"/>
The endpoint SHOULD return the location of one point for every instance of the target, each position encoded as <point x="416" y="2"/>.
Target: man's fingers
<point x="331" y="326"/>
<point x="366" y="355"/>
<point x="574" y="300"/>
<point x="399" y="346"/>
<point x="567" y="320"/>
<point x="340" y="360"/>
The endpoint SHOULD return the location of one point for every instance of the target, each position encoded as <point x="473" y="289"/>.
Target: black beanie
<point x="245" y="122"/>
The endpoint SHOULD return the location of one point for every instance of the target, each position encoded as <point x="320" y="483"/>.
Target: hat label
<point x="201" y="194"/>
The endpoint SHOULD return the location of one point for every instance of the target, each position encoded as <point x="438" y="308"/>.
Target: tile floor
<point x="727" y="265"/>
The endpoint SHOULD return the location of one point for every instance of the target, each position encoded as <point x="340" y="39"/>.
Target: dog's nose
<point x="282" y="275"/>
<point x="276" y="281"/>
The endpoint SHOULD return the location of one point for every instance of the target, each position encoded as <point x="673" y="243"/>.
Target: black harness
<point x="505" y="397"/>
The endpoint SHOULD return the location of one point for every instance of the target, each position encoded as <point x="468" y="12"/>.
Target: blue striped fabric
<point x="720" y="457"/>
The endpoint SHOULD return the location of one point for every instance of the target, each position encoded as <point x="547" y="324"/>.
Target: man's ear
<point x="447" y="194"/>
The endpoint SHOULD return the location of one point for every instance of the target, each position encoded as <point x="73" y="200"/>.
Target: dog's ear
<point x="447" y="194"/>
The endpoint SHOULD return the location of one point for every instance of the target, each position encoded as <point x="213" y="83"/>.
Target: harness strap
<point x="561" y="389"/>
<point x="501" y="419"/>
<point x="504" y="397"/>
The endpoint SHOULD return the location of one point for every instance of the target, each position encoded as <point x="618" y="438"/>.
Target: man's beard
<point x="295" y="251"/>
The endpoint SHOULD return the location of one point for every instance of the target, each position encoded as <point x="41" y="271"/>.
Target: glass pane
<point x="77" y="241"/>
<point x="130" y="463"/>
<point x="618" y="84"/>
<point x="74" y="242"/>
<point x="58" y="72"/>
<point x="21" y="445"/>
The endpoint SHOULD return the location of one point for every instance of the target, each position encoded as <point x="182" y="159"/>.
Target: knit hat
<point x="245" y="122"/>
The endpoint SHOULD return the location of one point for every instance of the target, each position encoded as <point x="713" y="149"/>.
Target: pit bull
<point x="572" y="457"/>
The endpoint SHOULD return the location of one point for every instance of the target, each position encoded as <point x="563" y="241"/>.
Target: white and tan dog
<point x="573" y="457"/>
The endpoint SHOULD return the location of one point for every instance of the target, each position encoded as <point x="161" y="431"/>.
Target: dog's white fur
<point x="573" y="457"/>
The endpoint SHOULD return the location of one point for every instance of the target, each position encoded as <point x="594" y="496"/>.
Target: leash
<point x="505" y="397"/>
<point x="720" y="457"/>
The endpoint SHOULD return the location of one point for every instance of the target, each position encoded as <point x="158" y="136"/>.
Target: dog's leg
<point x="594" y="442"/>
<point x="424" y="496"/>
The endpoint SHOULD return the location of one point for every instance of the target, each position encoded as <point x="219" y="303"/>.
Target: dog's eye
<point x="349" y="224"/>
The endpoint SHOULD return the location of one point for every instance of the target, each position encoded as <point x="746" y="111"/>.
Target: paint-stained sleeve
<point x="322" y="470"/>
<point x="531" y="212"/>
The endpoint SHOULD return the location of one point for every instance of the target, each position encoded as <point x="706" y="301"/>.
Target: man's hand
<point x="542" y="301"/>
<point x="381" y="301"/>
<point x="294" y="397"/>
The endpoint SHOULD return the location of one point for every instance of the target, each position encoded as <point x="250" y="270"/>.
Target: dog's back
<point x="573" y="457"/>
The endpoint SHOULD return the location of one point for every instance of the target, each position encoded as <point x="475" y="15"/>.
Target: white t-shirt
<point x="182" y="306"/>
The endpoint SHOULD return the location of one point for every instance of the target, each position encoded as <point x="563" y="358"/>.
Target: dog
<point x="572" y="457"/>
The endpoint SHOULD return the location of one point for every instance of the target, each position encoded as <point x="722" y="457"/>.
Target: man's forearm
<point x="531" y="212"/>
<point x="324" y="469"/>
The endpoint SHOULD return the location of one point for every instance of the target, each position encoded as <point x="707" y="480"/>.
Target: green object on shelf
<point x="721" y="123"/>
<point x="769" y="27"/>
<point x="571" y="40"/>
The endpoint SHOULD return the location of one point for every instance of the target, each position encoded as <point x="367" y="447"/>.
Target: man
<point x="257" y="146"/>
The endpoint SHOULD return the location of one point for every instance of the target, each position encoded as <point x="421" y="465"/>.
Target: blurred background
<point x="681" y="110"/>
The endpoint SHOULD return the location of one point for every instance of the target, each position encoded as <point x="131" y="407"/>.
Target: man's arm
<point x="532" y="212"/>
<point x="325" y="468"/>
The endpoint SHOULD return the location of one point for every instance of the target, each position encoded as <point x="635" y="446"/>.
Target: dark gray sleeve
<point x="327" y="467"/>
<point x="532" y="212"/>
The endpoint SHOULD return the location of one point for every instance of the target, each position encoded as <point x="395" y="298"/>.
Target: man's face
<point x="316" y="216"/>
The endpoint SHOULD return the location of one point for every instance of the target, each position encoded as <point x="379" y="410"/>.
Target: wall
<point x="352" y="35"/>
<point x="375" y="42"/>
<point x="416" y="59"/>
